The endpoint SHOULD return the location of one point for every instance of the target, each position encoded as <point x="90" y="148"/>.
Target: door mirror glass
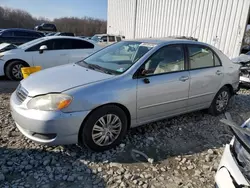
<point x="42" y="48"/>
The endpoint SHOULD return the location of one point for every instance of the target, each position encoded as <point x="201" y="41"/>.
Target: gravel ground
<point x="182" y="152"/>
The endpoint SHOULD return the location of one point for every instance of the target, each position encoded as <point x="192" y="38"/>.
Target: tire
<point x="216" y="108"/>
<point x="88" y="132"/>
<point x="10" y="70"/>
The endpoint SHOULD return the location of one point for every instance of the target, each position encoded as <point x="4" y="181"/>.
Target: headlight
<point x="1" y="55"/>
<point x="242" y="155"/>
<point x="50" y="102"/>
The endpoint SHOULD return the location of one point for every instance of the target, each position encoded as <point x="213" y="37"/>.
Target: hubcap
<point x="222" y="101"/>
<point x="106" y="130"/>
<point x="16" y="71"/>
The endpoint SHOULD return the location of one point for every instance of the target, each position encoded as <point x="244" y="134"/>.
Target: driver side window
<point x="166" y="60"/>
<point x="36" y="47"/>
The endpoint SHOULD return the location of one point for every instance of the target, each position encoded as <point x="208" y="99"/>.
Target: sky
<point x="60" y="8"/>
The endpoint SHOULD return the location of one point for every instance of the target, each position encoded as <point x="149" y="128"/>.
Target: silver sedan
<point x="95" y="101"/>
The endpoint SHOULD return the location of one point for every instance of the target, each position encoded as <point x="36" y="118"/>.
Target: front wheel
<point x="104" y="129"/>
<point x="13" y="70"/>
<point x="220" y="101"/>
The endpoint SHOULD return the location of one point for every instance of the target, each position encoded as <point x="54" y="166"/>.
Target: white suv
<point x="106" y="39"/>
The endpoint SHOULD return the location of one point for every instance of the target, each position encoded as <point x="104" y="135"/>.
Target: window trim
<point x="203" y="46"/>
<point x="186" y="68"/>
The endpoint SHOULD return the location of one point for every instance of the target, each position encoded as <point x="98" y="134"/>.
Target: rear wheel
<point x="104" y="129"/>
<point x="221" y="101"/>
<point x="13" y="70"/>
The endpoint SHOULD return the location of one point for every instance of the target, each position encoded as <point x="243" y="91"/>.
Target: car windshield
<point x="117" y="58"/>
<point x="96" y="38"/>
<point x="27" y="44"/>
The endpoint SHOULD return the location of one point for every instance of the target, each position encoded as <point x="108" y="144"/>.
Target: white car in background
<point x="234" y="168"/>
<point x="45" y="52"/>
<point x="106" y="39"/>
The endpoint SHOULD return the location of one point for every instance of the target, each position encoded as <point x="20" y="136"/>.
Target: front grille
<point x="21" y="93"/>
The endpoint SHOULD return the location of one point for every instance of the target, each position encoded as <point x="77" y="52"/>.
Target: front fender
<point x="89" y="97"/>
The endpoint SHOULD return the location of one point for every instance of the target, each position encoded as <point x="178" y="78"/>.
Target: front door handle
<point x="218" y="72"/>
<point x="63" y="54"/>
<point x="184" y="78"/>
<point x="146" y="81"/>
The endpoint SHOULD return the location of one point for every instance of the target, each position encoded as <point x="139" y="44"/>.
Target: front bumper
<point x="47" y="127"/>
<point x="229" y="174"/>
<point x="2" y="62"/>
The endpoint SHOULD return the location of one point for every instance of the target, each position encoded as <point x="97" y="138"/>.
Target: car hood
<point x="61" y="78"/>
<point x="6" y="47"/>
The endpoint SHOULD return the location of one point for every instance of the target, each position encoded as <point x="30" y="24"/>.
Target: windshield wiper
<point x="97" y="67"/>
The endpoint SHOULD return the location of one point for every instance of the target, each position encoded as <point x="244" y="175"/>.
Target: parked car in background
<point x="64" y="34"/>
<point x="234" y="168"/>
<point x="245" y="49"/>
<point x="85" y="37"/>
<point x="45" y="52"/>
<point x="46" y="27"/>
<point x="51" y="34"/>
<point x="244" y="61"/>
<point x="18" y="36"/>
<point x="105" y="39"/>
<point x="95" y="101"/>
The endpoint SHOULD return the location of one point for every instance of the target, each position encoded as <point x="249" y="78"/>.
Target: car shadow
<point x="7" y="86"/>
<point x="185" y="134"/>
<point x="182" y="135"/>
<point x="44" y="168"/>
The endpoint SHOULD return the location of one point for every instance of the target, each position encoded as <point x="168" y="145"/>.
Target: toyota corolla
<point x="95" y="101"/>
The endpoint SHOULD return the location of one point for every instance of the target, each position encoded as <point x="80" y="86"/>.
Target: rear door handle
<point x="218" y="72"/>
<point x="184" y="78"/>
<point x="63" y="54"/>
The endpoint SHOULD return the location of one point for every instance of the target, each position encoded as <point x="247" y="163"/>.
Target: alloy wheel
<point x="16" y="71"/>
<point x="222" y="101"/>
<point x="106" y="130"/>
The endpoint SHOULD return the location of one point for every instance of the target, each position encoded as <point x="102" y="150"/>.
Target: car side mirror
<point x="42" y="49"/>
<point x="142" y="72"/>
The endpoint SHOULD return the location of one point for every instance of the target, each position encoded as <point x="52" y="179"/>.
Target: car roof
<point x="159" y="41"/>
<point x="63" y="37"/>
<point x="19" y="29"/>
<point x="107" y="35"/>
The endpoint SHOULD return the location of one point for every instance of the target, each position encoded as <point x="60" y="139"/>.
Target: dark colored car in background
<point x="46" y="27"/>
<point x="245" y="49"/>
<point x="64" y="34"/>
<point x="18" y="36"/>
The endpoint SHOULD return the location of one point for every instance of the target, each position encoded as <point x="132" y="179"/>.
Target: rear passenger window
<point x="22" y="34"/>
<point x="79" y="44"/>
<point x="104" y="39"/>
<point x="111" y="38"/>
<point x="202" y="57"/>
<point x="35" y="34"/>
<point x="7" y="34"/>
<point x="118" y="39"/>
<point x="61" y="44"/>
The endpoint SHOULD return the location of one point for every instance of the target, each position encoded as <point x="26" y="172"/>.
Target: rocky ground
<point x="182" y="152"/>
